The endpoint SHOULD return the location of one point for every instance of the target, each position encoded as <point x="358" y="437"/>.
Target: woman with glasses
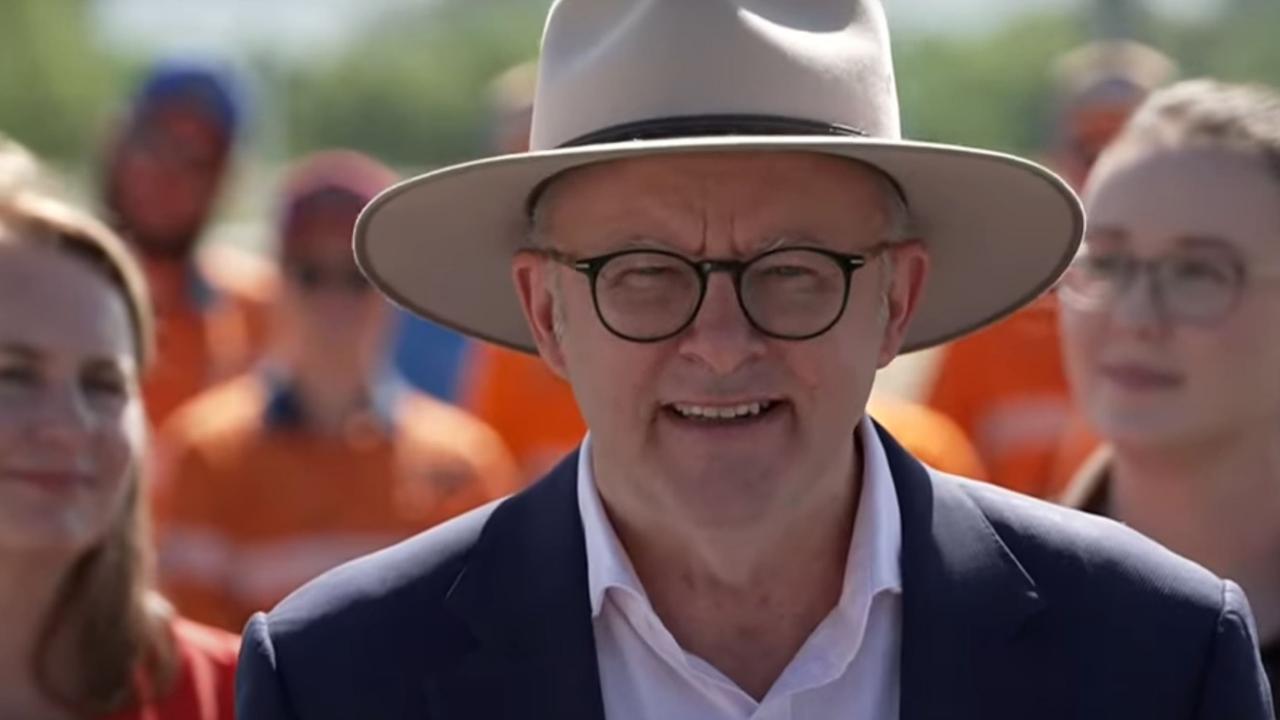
<point x="82" y="632"/>
<point x="1171" y="325"/>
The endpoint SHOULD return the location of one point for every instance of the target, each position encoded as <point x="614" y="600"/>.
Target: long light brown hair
<point x="105" y="612"/>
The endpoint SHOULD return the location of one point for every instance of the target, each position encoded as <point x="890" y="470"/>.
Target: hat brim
<point x="999" y="230"/>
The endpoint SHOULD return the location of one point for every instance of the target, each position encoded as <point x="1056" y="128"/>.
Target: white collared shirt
<point x="847" y="669"/>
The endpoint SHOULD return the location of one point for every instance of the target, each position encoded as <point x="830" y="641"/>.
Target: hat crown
<point x="608" y="63"/>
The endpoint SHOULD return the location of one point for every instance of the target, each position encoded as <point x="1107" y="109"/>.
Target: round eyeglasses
<point x="790" y="293"/>
<point x="1188" y="287"/>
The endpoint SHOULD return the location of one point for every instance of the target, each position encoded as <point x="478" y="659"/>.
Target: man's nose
<point x="721" y="336"/>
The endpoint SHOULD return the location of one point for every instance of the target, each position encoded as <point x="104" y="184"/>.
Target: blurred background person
<point x="499" y="385"/>
<point x="164" y="168"/>
<point x="1171" y="326"/>
<point x="1096" y="88"/>
<point x="321" y="454"/>
<point x="85" y="634"/>
<point x="484" y="379"/>
<point x="1005" y="386"/>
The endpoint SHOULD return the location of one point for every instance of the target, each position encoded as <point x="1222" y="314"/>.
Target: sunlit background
<point x="405" y="80"/>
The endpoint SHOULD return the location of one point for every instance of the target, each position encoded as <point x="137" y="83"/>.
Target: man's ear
<point x="533" y="277"/>
<point x="902" y="294"/>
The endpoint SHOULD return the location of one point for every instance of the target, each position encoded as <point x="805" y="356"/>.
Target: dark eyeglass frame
<point x="592" y="266"/>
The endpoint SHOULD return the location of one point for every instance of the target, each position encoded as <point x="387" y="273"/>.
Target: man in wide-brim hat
<point x="718" y="238"/>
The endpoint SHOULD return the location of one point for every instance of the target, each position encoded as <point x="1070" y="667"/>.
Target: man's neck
<point x="1184" y="497"/>
<point x="746" y="599"/>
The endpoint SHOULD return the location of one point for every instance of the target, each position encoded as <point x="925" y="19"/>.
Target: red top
<point x="204" y="688"/>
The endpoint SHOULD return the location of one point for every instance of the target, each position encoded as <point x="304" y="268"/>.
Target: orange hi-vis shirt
<point x="250" y="504"/>
<point x="931" y="437"/>
<point x="1077" y="446"/>
<point x="211" y="323"/>
<point x="1006" y="388"/>
<point x="531" y="407"/>
<point x="204" y="687"/>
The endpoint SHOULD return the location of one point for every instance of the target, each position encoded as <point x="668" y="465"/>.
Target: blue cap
<point x="206" y="89"/>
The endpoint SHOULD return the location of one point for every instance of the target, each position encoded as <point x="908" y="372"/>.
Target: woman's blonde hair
<point x="105" y="610"/>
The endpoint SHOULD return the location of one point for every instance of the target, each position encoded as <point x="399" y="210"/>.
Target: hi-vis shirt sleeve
<point x="195" y="553"/>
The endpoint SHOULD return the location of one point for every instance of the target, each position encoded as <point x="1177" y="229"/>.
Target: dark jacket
<point x="1012" y="608"/>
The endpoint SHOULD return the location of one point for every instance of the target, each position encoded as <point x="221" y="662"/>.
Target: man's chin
<point x="725" y="491"/>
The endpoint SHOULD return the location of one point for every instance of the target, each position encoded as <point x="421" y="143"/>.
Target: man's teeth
<point x="733" y="412"/>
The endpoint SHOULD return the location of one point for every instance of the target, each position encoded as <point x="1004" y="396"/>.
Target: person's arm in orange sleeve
<point x="933" y="438"/>
<point x="494" y="467"/>
<point x="953" y="386"/>
<point x="194" y="551"/>
<point x="482" y="394"/>
<point x="239" y="322"/>
<point x="950" y="450"/>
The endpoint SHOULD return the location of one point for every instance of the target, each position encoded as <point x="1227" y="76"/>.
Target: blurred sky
<point x="295" y="28"/>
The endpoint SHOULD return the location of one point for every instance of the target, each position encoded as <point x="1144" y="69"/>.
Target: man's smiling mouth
<point x="722" y="412"/>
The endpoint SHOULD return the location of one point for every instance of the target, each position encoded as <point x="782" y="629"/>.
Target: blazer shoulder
<point x="395" y="593"/>
<point x="1083" y="556"/>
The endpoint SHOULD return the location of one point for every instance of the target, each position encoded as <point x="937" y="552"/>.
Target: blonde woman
<point x="84" y="635"/>
<point x="1171" y="322"/>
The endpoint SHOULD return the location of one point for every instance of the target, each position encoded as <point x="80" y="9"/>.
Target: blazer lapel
<point x="523" y="597"/>
<point x="965" y="596"/>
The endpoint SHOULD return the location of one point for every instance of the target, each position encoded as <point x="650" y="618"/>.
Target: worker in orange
<point x="498" y="384"/>
<point x="164" y="168"/>
<point x="1005" y="385"/>
<point x="320" y="454"/>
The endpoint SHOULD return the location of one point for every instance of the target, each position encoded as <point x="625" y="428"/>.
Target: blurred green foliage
<point x="55" y="86"/>
<point x="412" y="91"/>
<point x="990" y="92"/>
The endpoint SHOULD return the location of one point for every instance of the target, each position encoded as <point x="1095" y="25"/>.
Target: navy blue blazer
<point x="1012" y="609"/>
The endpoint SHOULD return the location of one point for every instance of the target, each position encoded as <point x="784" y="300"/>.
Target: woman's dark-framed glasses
<point x="789" y="293"/>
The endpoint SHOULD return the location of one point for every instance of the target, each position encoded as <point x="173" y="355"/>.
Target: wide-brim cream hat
<point x="627" y="78"/>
